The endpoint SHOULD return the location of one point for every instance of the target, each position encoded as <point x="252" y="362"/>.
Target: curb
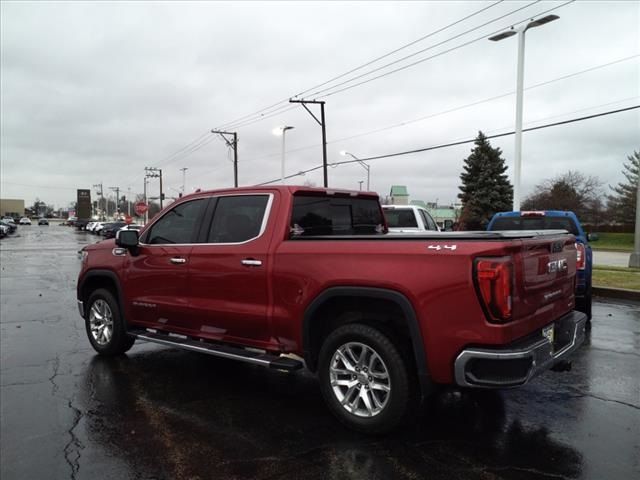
<point x="617" y="293"/>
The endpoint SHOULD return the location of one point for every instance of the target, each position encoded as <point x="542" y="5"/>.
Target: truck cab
<point x="409" y="219"/>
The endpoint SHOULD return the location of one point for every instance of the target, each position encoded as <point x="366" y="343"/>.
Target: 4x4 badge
<point x="440" y="247"/>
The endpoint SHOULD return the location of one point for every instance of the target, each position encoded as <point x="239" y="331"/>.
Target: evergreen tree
<point x="485" y="187"/>
<point x="622" y="205"/>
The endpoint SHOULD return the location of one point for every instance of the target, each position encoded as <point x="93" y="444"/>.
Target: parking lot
<point x="163" y="413"/>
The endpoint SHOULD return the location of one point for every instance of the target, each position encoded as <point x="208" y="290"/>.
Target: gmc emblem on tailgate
<point x="557" y="266"/>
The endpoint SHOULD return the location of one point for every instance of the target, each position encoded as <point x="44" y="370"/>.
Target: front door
<point x="156" y="277"/>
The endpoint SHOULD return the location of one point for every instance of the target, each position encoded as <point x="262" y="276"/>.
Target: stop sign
<point x="141" y="208"/>
<point x="128" y="219"/>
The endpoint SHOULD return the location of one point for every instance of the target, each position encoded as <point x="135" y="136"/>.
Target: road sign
<point x="128" y="219"/>
<point x="141" y="208"/>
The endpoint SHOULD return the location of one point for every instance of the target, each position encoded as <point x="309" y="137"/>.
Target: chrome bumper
<point x="81" y="308"/>
<point x="520" y="362"/>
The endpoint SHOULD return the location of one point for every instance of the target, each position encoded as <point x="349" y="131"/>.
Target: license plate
<point x="549" y="333"/>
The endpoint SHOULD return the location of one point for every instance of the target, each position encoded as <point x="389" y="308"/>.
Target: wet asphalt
<point x="162" y="413"/>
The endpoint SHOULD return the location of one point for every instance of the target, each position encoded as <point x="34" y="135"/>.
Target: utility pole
<point x="233" y="143"/>
<point x="151" y="172"/>
<point x="101" y="195"/>
<point x="117" y="190"/>
<point x="322" y="124"/>
<point x="184" y="176"/>
<point x="146" y="214"/>
<point x="129" y="201"/>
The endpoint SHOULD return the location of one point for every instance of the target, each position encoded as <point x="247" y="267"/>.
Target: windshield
<point x="400" y="218"/>
<point x="535" y="223"/>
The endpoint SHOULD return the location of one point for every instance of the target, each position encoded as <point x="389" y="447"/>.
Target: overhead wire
<point x="454" y="109"/>
<point x="455" y="143"/>
<point x="366" y="64"/>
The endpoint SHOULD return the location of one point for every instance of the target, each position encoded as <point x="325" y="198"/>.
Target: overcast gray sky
<point x="94" y="92"/>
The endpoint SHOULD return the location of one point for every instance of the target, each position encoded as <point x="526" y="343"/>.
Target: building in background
<point x="399" y="195"/>
<point x="11" y="207"/>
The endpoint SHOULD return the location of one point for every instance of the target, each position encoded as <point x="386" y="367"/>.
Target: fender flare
<point x="111" y="276"/>
<point x="426" y="385"/>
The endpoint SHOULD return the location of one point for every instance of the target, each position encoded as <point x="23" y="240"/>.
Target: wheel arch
<point x="348" y="295"/>
<point x="95" y="279"/>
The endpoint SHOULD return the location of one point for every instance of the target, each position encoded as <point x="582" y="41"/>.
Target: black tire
<point x="392" y="407"/>
<point x="103" y="305"/>
<point x="583" y="304"/>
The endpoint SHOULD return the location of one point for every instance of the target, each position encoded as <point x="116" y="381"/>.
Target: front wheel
<point x="364" y="379"/>
<point x="105" y="325"/>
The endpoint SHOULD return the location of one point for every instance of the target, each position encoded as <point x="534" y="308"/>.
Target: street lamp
<point x="520" y="31"/>
<point x="282" y="131"/>
<point x="363" y="164"/>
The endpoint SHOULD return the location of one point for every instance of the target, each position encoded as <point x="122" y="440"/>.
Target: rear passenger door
<point x="228" y="288"/>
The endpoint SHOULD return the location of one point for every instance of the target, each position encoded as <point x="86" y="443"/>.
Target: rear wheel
<point x="364" y="379"/>
<point x="104" y="324"/>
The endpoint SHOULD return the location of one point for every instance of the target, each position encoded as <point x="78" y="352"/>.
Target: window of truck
<point x="318" y="215"/>
<point x="535" y="223"/>
<point x="400" y="218"/>
<point x="237" y="218"/>
<point x="178" y="225"/>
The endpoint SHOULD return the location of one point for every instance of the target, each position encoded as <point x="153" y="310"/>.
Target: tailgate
<point x="545" y="276"/>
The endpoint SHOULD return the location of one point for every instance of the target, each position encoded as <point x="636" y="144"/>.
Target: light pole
<point x="360" y="182"/>
<point x="363" y="164"/>
<point x="520" y="31"/>
<point x="184" y="175"/>
<point x="282" y="131"/>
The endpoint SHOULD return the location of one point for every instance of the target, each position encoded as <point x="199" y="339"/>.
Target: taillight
<point x="581" y="258"/>
<point x="494" y="277"/>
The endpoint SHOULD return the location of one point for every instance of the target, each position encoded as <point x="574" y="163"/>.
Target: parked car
<point x="10" y="224"/>
<point x="132" y="226"/>
<point x="408" y="219"/>
<point x="25" y="221"/>
<point x="43" y="221"/>
<point x="97" y="228"/>
<point x="270" y="275"/>
<point x="556" y="220"/>
<point x="110" y="229"/>
<point x="4" y="230"/>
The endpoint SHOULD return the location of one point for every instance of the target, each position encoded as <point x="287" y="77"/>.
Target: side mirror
<point x="448" y="225"/>
<point x="592" y="237"/>
<point x="127" y="238"/>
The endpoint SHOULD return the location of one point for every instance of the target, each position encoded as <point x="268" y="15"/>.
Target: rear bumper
<point x="518" y="363"/>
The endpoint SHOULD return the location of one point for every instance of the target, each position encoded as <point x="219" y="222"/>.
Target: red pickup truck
<point x="286" y="277"/>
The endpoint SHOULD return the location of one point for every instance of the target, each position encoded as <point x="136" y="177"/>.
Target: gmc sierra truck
<point x="288" y="277"/>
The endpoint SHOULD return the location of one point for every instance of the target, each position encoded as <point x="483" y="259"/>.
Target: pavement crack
<point x="73" y="448"/>
<point x="534" y="471"/>
<point x="619" y="402"/>
<point x="56" y="368"/>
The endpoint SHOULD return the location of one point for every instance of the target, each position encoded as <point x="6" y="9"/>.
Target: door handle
<point x="250" y="262"/>
<point x="178" y="260"/>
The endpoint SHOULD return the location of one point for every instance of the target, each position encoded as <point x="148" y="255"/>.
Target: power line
<point x="329" y="91"/>
<point x="417" y="62"/>
<point x="454" y="109"/>
<point x="431" y="47"/>
<point x="457" y="143"/>
<point x="269" y="107"/>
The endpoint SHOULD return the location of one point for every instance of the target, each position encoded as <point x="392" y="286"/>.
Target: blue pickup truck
<point x="556" y="220"/>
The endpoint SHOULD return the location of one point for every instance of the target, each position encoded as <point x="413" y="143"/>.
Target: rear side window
<point x="178" y="225"/>
<point x="318" y="215"/>
<point x="535" y="223"/>
<point x="428" y="221"/>
<point x="237" y="218"/>
<point x="400" y="218"/>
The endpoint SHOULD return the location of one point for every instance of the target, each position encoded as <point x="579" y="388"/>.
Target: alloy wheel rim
<point x="360" y="379"/>
<point x="101" y="322"/>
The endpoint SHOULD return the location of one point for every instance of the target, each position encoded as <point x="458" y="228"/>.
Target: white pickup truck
<point x="408" y="219"/>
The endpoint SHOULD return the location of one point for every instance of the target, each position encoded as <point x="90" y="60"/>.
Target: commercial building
<point x="11" y="207"/>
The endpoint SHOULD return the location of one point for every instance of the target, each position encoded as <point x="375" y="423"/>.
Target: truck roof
<point x="290" y="189"/>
